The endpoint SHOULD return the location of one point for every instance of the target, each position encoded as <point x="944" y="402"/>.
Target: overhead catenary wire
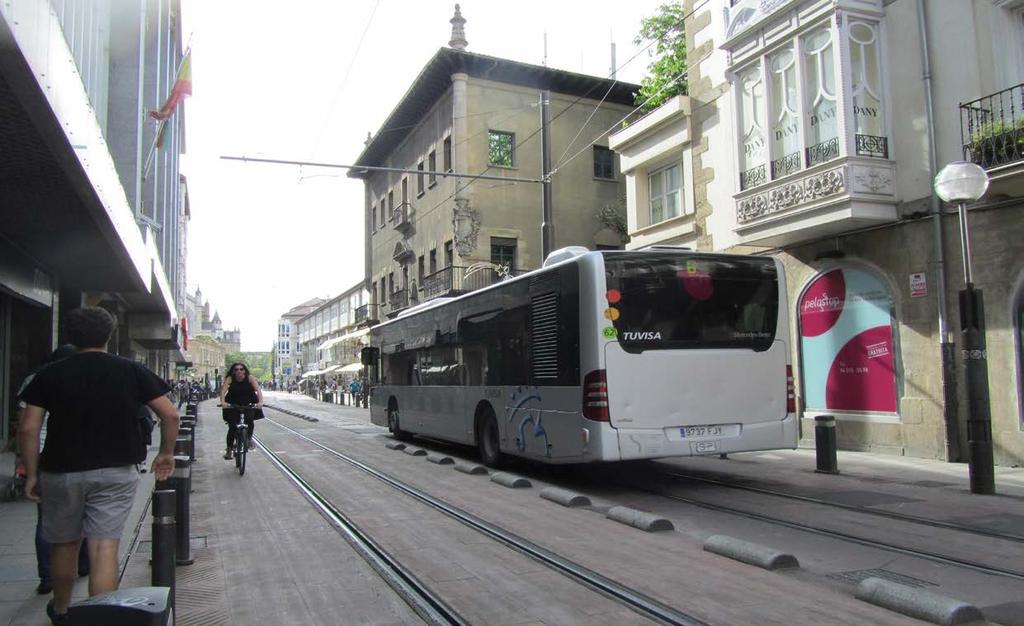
<point x="583" y="127"/>
<point x="682" y="22"/>
<point x="566" y="109"/>
<point x="348" y="71"/>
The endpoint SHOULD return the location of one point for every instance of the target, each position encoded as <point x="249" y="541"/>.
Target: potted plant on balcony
<point x="997" y="142"/>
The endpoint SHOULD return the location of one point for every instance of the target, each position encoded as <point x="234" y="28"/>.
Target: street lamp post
<point x="961" y="182"/>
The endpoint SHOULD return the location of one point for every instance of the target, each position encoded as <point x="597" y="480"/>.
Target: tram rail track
<point x="904" y="517"/>
<point x="640" y="603"/>
<point x="420" y="598"/>
<point x="928" y="555"/>
<point x="843" y="536"/>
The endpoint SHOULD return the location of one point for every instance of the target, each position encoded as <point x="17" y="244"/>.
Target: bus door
<point x="695" y="342"/>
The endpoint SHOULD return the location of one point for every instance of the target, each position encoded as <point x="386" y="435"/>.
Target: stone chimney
<point x="458" y="22"/>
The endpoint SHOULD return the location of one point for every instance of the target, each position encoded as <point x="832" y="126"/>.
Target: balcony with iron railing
<point x="398" y="300"/>
<point x="402" y="217"/>
<point x="992" y="128"/>
<point x="366" y="313"/>
<point x="456" y="280"/>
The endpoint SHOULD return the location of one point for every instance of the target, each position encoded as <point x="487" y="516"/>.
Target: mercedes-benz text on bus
<point x="597" y="356"/>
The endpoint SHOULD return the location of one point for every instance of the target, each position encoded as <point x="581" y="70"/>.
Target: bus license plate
<point x="701" y="431"/>
<point x="704" y="446"/>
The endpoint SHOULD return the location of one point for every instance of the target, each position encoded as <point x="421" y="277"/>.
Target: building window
<point x="391" y="206"/>
<point x="391" y="282"/>
<point x="503" y="252"/>
<point x="604" y="163"/>
<point x="786" y="113"/>
<point x="665" y="197"/>
<point x="373" y="221"/>
<point x="447" y="156"/>
<point x="501" y="148"/>
<point x="405" y="191"/>
<point x="869" y="122"/>
<point x="847" y="364"/>
<point x="820" y="89"/>
<point x="419" y="179"/>
<point x="449" y="258"/>
<point x="432" y="167"/>
<point x="751" y="111"/>
<point x="433" y="260"/>
<point x="383" y="213"/>
<point x="421" y="270"/>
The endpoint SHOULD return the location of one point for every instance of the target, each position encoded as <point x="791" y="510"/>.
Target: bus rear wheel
<point x="487" y="440"/>
<point x="393" y="423"/>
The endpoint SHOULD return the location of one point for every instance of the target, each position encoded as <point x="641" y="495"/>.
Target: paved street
<point x="263" y="555"/>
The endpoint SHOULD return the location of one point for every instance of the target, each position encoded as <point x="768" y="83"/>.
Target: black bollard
<point x="825" y="444"/>
<point x="164" y="539"/>
<point x="188" y="446"/>
<point x="181" y="482"/>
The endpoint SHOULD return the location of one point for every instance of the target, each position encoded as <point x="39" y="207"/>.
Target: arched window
<point x="847" y="344"/>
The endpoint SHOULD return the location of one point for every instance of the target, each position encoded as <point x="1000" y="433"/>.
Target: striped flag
<point x="182" y="88"/>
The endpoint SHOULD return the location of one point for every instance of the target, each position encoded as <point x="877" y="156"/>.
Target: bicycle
<point x="242" y="436"/>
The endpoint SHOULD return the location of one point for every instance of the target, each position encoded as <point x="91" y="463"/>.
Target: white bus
<point x="597" y="356"/>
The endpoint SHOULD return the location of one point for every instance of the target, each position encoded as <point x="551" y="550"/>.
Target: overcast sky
<point x="307" y="82"/>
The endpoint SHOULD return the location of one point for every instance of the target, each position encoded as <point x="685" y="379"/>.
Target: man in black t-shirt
<point x="85" y="476"/>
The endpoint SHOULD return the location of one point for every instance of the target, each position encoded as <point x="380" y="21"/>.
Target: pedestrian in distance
<point x="242" y="389"/>
<point x="42" y="546"/>
<point x="86" y="476"/>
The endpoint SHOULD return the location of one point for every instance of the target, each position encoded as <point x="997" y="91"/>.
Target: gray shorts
<point x="93" y="504"/>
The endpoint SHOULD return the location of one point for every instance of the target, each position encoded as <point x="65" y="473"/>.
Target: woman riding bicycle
<point x="239" y="388"/>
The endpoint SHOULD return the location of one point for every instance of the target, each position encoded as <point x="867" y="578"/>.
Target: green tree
<point x="664" y="78"/>
<point x="259" y="363"/>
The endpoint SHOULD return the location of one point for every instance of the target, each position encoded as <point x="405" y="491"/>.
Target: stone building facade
<point x="820" y="148"/>
<point x="467" y="115"/>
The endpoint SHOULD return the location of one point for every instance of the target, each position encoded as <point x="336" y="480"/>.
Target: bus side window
<point x="476" y="361"/>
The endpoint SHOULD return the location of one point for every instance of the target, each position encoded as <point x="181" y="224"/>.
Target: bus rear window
<point x="686" y="301"/>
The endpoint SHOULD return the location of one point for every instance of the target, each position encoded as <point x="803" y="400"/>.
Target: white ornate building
<point x="812" y="131"/>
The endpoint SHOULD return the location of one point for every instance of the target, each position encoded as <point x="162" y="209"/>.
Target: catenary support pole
<point x="546" y="234"/>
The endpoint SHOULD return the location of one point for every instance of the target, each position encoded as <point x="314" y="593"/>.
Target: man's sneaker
<point x="227" y="454"/>
<point x="44" y="587"/>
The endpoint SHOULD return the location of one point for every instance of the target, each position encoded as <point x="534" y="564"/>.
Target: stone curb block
<point x="924" y="605"/>
<point x="564" y="497"/>
<point x="470" y="468"/>
<point x="750" y="553"/>
<point x="639" y="519"/>
<point x="394" y="445"/>
<point x="440" y="459"/>
<point x="510" y="480"/>
<point x="415" y="451"/>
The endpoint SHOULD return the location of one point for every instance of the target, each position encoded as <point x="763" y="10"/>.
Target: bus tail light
<point x="790" y="391"/>
<point x="595" y="396"/>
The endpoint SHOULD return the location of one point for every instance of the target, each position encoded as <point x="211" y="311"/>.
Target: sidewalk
<point x="19" y="603"/>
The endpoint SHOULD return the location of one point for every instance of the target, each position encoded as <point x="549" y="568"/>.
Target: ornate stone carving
<point x="466" y="226"/>
<point x="873" y="180"/>
<point x="789" y="195"/>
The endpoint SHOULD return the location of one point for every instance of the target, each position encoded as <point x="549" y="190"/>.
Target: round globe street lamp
<point x="958" y="183"/>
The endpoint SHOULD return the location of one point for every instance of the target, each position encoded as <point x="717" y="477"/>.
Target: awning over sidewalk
<point x="351" y="367"/>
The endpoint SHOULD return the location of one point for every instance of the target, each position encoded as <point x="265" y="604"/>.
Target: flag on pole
<point x="182" y="88"/>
